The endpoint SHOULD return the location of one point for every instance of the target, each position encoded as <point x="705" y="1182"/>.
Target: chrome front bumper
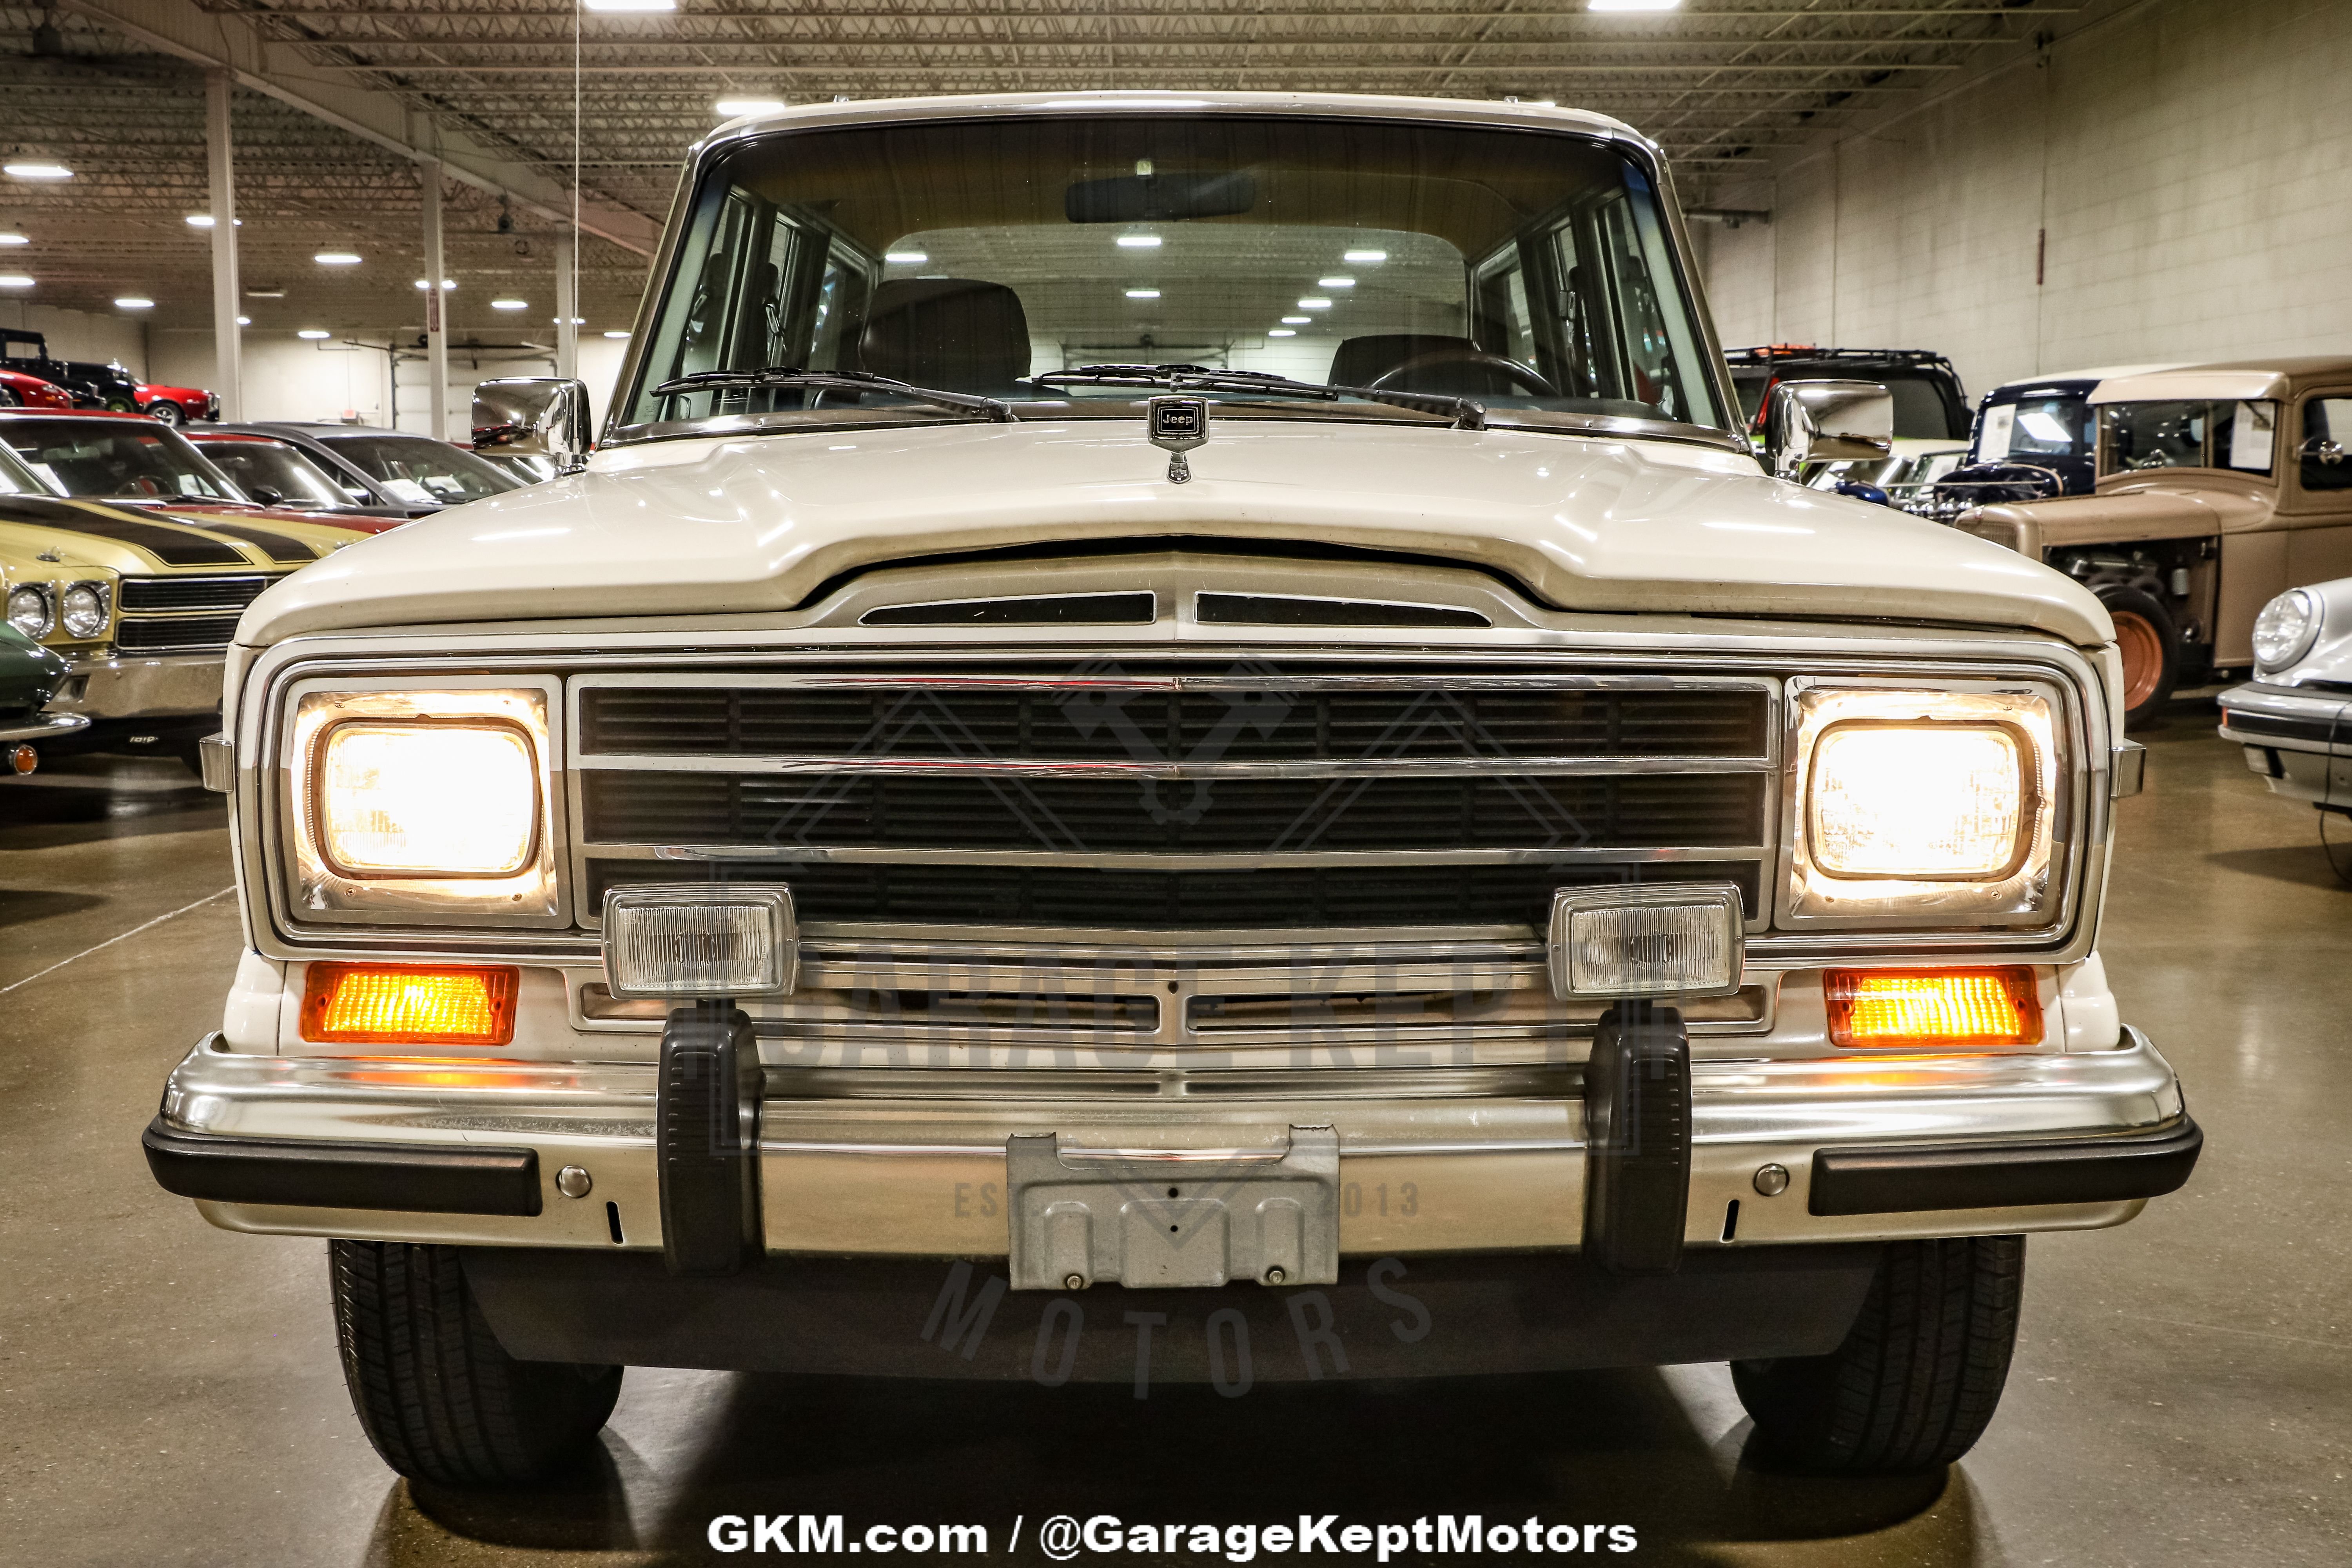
<point x="43" y="726"/>
<point x="2300" y="742"/>
<point x="115" y="687"/>
<point x="862" y="1174"/>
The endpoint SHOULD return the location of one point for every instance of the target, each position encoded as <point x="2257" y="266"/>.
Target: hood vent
<point x="1268" y="610"/>
<point x="1059" y="610"/>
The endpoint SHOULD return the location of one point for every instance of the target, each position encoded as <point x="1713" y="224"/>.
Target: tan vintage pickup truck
<point x="2219" y="487"/>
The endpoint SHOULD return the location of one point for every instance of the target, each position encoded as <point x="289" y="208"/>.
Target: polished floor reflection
<point x="2183" y="1395"/>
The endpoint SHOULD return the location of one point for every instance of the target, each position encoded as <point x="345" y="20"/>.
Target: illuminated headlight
<point x="430" y="798"/>
<point x="2286" y="629"/>
<point x="31" y="612"/>
<point x="85" y="609"/>
<point x="1943" y="801"/>
<point x="423" y="806"/>
<point x="1927" y="805"/>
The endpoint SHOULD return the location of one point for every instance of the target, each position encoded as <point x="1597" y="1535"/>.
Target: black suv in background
<point x="1929" y="403"/>
<point x="91" y="385"/>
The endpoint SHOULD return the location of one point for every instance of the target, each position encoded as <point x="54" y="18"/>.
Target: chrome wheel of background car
<point x="2150" y="646"/>
<point x="8" y="398"/>
<point x="167" y="412"/>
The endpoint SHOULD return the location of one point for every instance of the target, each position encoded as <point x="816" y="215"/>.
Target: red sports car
<point x="18" y="389"/>
<point x="176" y="405"/>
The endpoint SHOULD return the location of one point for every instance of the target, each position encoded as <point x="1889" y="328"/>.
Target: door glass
<point x="2325" y="452"/>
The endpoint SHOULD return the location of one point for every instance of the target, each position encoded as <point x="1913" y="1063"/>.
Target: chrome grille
<point x="1109" y="798"/>
<point x="175" y="634"/>
<point x="153" y="596"/>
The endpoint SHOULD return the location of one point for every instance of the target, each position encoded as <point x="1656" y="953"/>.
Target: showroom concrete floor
<point x="169" y="1394"/>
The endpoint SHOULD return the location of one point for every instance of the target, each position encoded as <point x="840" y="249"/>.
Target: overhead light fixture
<point x="1296" y="320"/>
<point x="1633" y="5"/>
<point x="1281" y="333"/>
<point x="204" y="220"/>
<point x="313" y="334"/>
<point x="906" y="258"/>
<point x="1139" y="242"/>
<point x="265" y="291"/>
<point x="14" y="239"/>
<point x="1335" y="283"/>
<point x="134" y="302"/>
<point x="619" y="336"/>
<point x="1364" y="257"/>
<point x="576" y="320"/>
<point x="446" y="284"/>
<point x="626" y="5"/>
<point x="510" y="304"/>
<point x="1143" y="293"/>
<point x="15" y="281"/>
<point x="1314" y="303"/>
<point x="37" y="171"/>
<point x="245" y="321"/>
<point x="337" y="258"/>
<point x="735" y="107"/>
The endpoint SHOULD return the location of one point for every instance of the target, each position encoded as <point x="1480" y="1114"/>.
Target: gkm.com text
<point x="1064" y="1537"/>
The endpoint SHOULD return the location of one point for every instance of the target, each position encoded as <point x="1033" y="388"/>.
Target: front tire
<point x="436" y="1391"/>
<point x="1916" y="1381"/>
<point x="2150" y="646"/>
<point x="163" y="411"/>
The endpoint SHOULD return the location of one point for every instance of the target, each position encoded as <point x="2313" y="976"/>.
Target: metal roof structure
<point x="336" y="99"/>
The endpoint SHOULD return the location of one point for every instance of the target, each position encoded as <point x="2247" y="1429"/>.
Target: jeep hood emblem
<point x="1176" y="426"/>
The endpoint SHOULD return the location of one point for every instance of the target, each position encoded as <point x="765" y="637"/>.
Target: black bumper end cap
<point x="408" y="1178"/>
<point x="2023" y="1174"/>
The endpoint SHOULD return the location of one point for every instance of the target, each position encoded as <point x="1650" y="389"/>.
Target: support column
<point x="567" y="307"/>
<point x="436" y="305"/>
<point x="228" y="367"/>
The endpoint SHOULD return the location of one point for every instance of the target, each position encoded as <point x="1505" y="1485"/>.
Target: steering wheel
<point x="1479" y="357"/>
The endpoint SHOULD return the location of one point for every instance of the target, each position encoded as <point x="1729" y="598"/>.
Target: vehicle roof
<point x="1011" y="105"/>
<point x="315" y="427"/>
<point x="1765" y="354"/>
<point x="2083" y="379"/>
<point x="216" y="433"/>
<point x="2249" y="379"/>
<point x="75" y="414"/>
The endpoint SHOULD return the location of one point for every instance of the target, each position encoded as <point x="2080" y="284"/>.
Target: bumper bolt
<point x="574" y="1182"/>
<point x="1773" y="1180"/>
<point x="1274" y="1276"/>
<point x="1074" y="1282"/>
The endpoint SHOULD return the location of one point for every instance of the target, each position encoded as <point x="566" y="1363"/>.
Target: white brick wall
<point x="2190" y="162"/>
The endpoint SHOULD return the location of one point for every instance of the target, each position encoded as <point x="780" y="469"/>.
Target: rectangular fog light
<point x="1654" y="941"/>
<point x="700" y="940"/>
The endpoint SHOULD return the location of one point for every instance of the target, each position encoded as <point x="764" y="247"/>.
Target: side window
<point x="2324" y="448"/>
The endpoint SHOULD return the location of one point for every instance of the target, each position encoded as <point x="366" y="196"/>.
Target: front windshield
<point x="274" y="464"/>
<point x="120" y="459"/>
<point x="419" y="470"/>
<point x="1531" y="270"/>
<point x="2051" y="426"/>
<point x="2187" y="435"/>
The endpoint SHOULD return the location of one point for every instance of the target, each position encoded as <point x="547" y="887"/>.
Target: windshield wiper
<point x="787" y="376"/>
<point x="1467" y="412"/>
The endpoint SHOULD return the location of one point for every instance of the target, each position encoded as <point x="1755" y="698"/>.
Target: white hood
<point x="752" y="523"/>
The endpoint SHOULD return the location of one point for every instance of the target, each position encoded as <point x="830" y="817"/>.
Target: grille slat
<point x="178" y="633"/>
<point x="1624" y="775"/>
<point x="162" y="595"/>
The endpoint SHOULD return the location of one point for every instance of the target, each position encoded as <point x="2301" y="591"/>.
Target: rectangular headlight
<point x="425" y="798"/>
<point x="699" y="939"/>
<point x="1931" y="801"/>
<point x="1936" y="804"/>
<point x="439" y="805"/>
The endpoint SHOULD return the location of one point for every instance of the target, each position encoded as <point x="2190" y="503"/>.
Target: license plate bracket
<point x="1160" y="1219"/>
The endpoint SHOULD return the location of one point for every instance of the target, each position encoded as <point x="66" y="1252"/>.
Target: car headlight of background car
<point x="1912" y="806"/>
<point x="421" y="805"/>
<point x="86" y="608"/>
<point x="2286" y="628"/>
<point x="32" y="610"/>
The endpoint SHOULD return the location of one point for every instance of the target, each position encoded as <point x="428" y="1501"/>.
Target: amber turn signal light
<point x="1933" y="1009"/>
<point x="388" y="1004"/>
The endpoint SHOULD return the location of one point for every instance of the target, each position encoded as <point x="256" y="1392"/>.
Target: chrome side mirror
<point x="544" y="415"/>
<point x="1825" y="421"/>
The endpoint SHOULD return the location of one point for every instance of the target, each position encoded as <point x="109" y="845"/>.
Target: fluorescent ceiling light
<point x="1365" y="258"/>
<point x="576" y="320"/>
<point x="1296" y="320"/>
<point x="15" y="281"/>
<point x="245" y="321"/>
<point x="510" y="304"/>
<point x="1282" y="332"/>
<point x="1314" y="305"/>
<point x="37" y="170"/>
<point x="14" y="239"/>
<point x="733" y="108"/>
<point x="906" y="258"/>
<point x="446" y="284"/>
<point x="621" y="335"/>
<point x="134" y="302"/>
<point x="1139" y="242"/>
<point x="1335" y="283"/>
<point x="337" y="258"/>
<point x="204" y="220"/>
<point x="265" y="291"/>
<point x="1604" y="5"/>
<point x="313" y="334"/>
<point x="1143" y="293"/>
